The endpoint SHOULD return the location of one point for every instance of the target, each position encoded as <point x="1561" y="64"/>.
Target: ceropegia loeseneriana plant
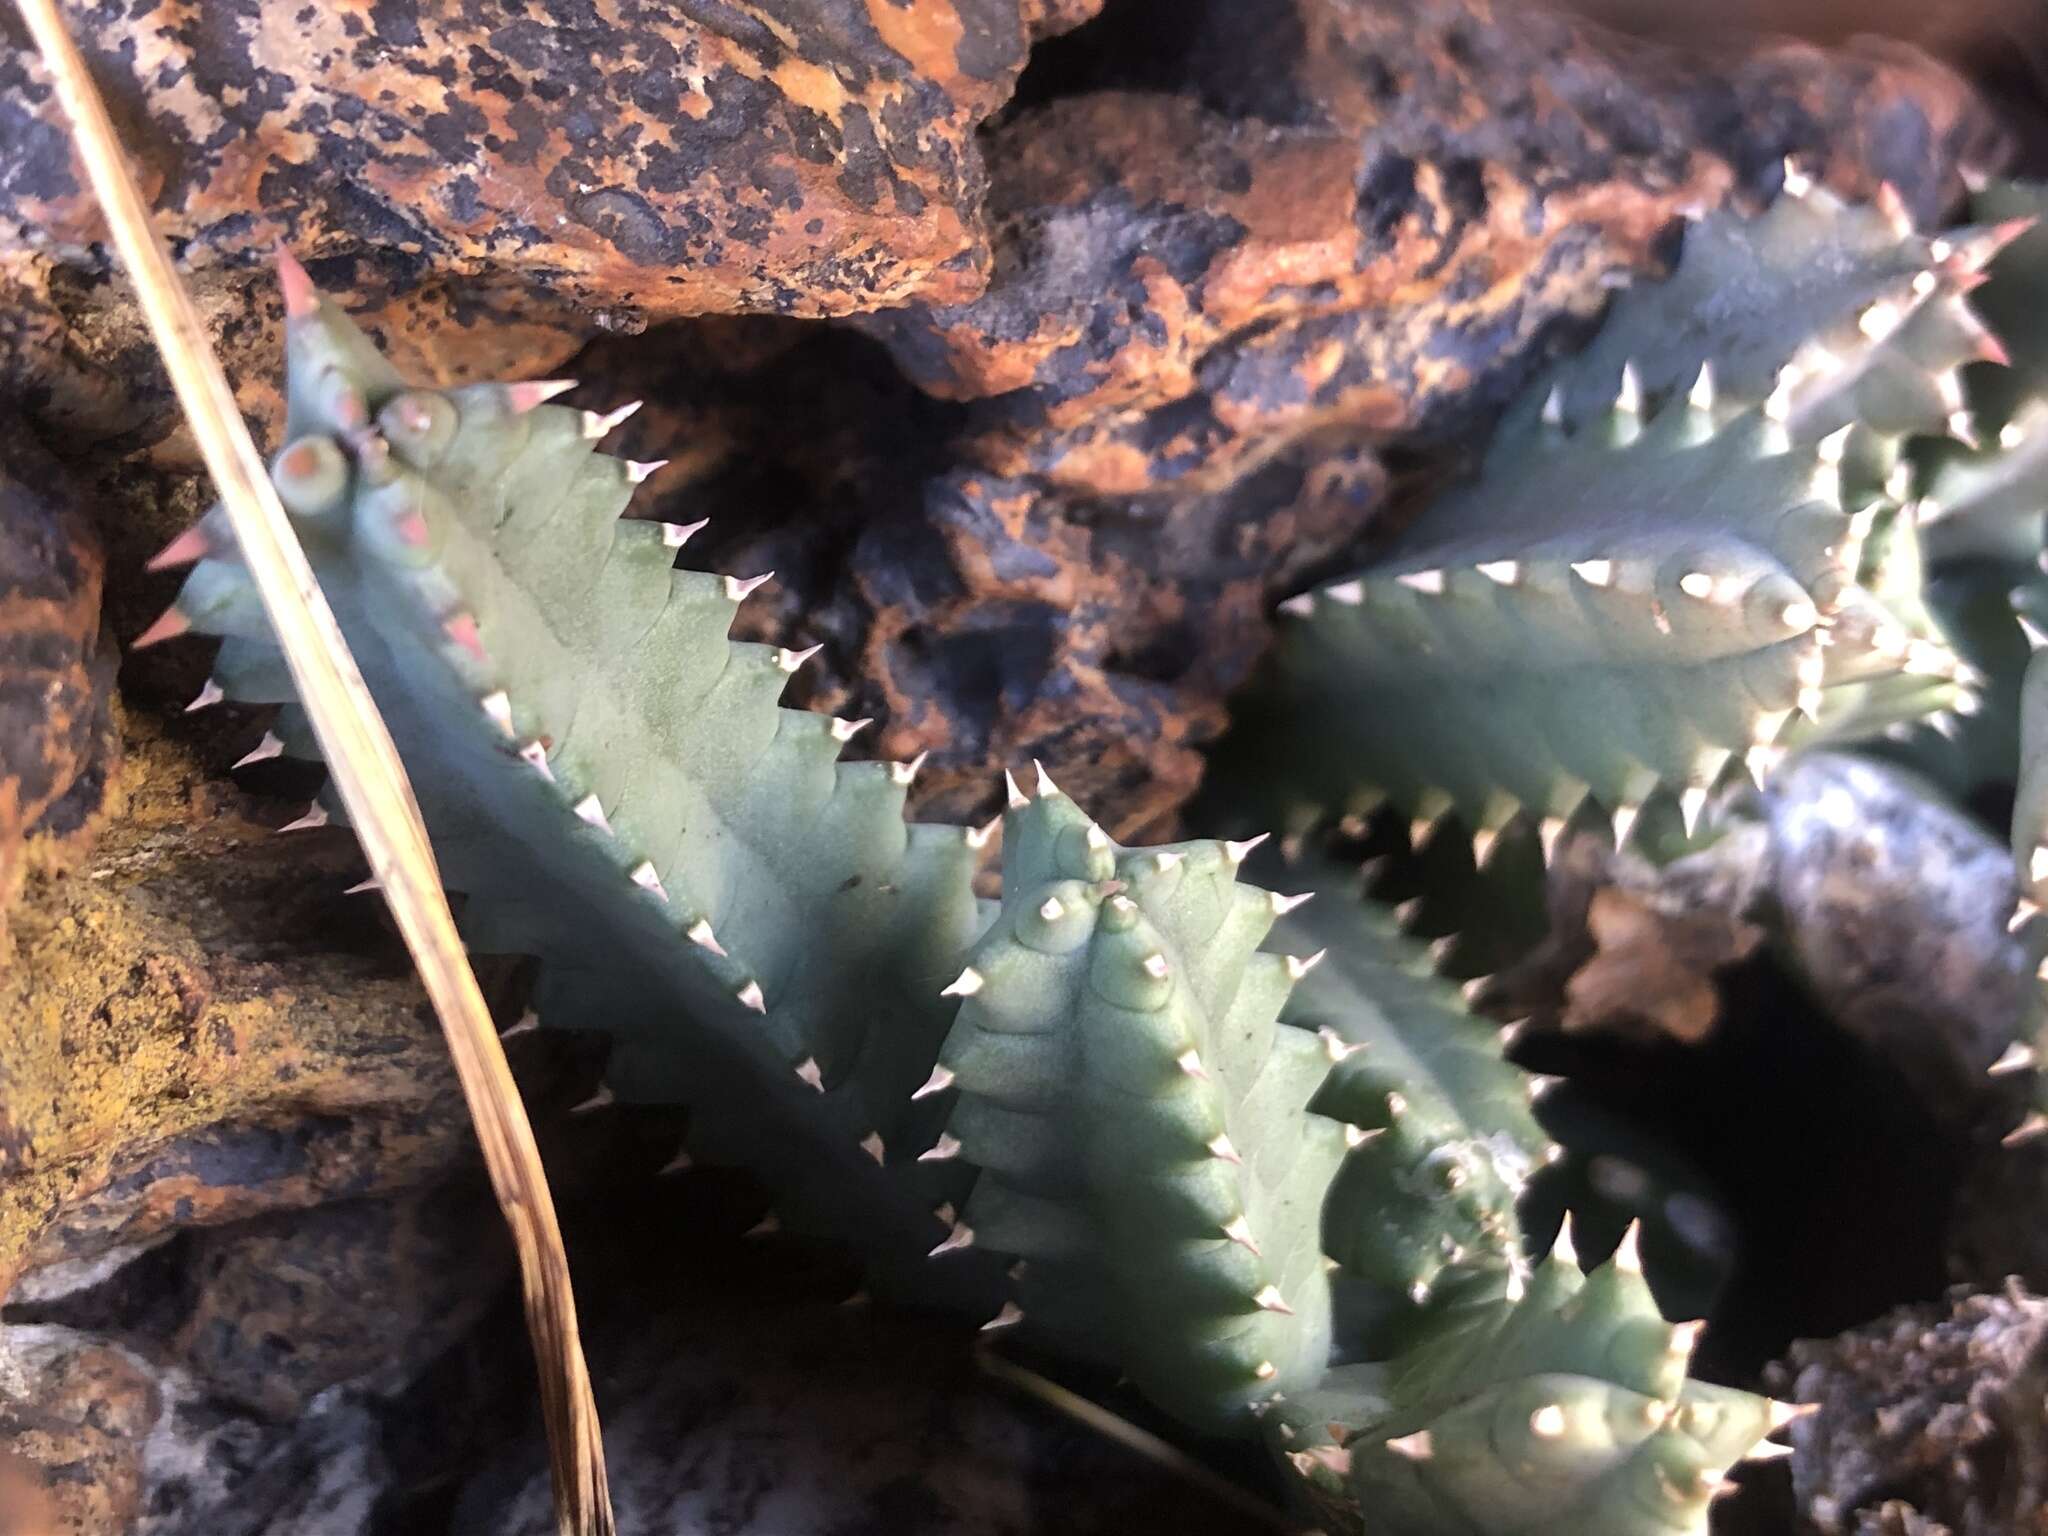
<point x="1218" y="1181"/>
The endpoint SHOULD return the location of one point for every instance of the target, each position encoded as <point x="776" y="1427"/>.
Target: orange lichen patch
<point x="802" y="159"/>
<point x="176" y="986"/>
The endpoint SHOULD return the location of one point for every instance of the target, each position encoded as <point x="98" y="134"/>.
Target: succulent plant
<point x="1281" y="1196"/>
<point x="1681" y="556"/>
<point x="1640" y="605"/>
<point x="1557" y="1404"/>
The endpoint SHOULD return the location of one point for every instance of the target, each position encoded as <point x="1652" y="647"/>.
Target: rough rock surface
<point x="291" y="1304"/>
<point x="815" y="156"/>
<point x="492" y="183"/>
<point x="1933" y="1419"/>
<point x="73" y="1416"/>
<point x="804" y="1422"/>
<point x="56" y="728"/>
<point x="181" y="1041"/>
<point x="1891" y="905"/>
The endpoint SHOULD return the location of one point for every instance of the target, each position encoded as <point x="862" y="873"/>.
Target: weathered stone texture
<point x="55" y="676"/>
<point x="181" y="1043"/>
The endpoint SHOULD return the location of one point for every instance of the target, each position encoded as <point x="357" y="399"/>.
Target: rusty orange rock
<point x="816" y="157"/>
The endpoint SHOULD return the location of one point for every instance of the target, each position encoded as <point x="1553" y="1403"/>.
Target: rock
<point x="57" y="745"/>
<point x="1929" y="1419"/>
<point x="1891" y="904"/>
<point x="495" y="183"/>
<point x="185" y="1038"/>
<point x="73" y="1416"/>
<point x="1230" y="275"/>
<point x="806" y="1422"/>
<point x="357" y="1291"/>
<point x="1895" y="905"/>
<point x="99" y="1441"/>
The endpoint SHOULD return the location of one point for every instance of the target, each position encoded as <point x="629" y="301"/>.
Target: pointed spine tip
<point x="602" y="1099"/>
<point x="301" y="298"/>
<point x="648" y="879"/>
<point x="316" y="816"/>
<point x="525" y="396"/>
<point x="535" y="755"/>
<point x="191" y="545"/>
<point x="169" y="625"/>
<point x="596" y="426"/>
<point x="1429" y="582"/>
<point x="940" y="1080"/>
<point x="461" y="630"/>
<point x="2017" y="1057"/>
<point x="263" y="751"/>
<point x="1269" y="1299"/>
<point x="966" y="984"/>
<point x="752" y="998"/>
<point x="1415" y="1447"/>
<point x="738" y="591"/>
<point x="1299" y="966"/>
<point x="497" y="708"/>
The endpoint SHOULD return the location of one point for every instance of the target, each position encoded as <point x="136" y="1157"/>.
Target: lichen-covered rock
<point x="491" y="186"/>
<point x="56" y="735"/>
<point x="181" y="1043"/>
<point x="1929" y="1419"/>
<point x="817" y="157"/>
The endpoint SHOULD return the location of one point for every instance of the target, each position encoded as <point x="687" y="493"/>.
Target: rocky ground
<point x="1037" y="351"/>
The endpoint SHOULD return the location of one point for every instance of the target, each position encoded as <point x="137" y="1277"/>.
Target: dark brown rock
<point x="56" y="730"/>
<point x="1890" y="904"/>
<point x="291" y="1304"/>
<point x="1929" y="1420"/>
